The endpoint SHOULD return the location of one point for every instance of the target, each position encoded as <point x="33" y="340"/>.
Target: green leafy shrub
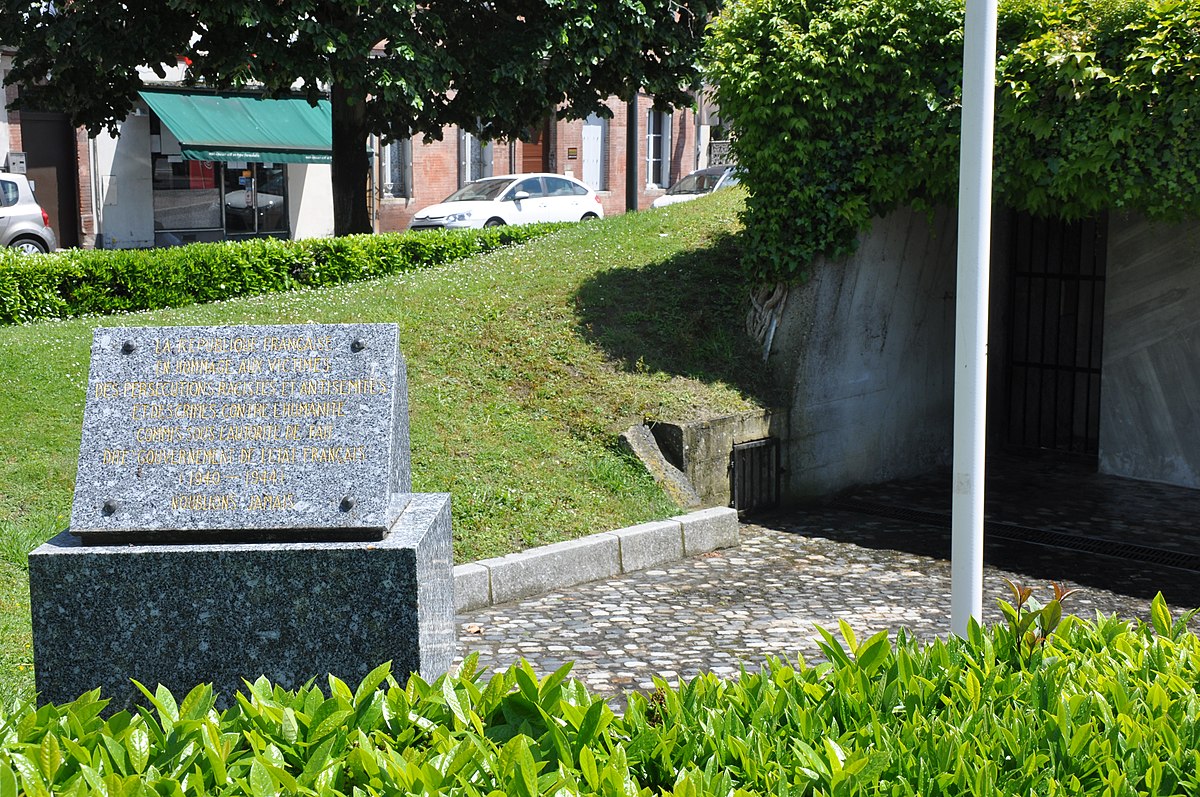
<point x="79" y="281"/>
<point x="1106" y="707"/>
<point x="845" y="110"/>
<point x="517" y="735"/>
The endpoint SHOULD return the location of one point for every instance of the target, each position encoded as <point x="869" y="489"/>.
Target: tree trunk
<point x="350" y="163"/>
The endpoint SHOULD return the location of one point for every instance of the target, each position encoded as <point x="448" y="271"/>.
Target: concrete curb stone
<point x="472" y="587"/>
<point x="563" y="564"/>
<point x="650" y="544"/>
<point x="709" y="529"/>
<point x="539" y="570"/>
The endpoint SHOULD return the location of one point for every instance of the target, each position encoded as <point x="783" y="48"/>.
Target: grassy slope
<point x="523" y="366"/>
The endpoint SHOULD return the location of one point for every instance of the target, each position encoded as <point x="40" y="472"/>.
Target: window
<point x="532" y="186"/>
<point x="658" y="149"/>
<point x="8" y="193"/>
<point x="595" y="152"/>
<point x="474" y="158"/>
<point x="396" y="172"/>
<point x="559" y="186"/>
<point x="186" y="193"/>
<point x="255" y="198"/>
<point x="481" y="190"/>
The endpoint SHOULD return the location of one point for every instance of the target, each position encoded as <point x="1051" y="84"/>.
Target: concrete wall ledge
<point x="597" y="556"/>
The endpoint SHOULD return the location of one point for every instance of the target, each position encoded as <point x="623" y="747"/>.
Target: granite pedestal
<point x="243" y="507"/>
<point x="184" y="614"/>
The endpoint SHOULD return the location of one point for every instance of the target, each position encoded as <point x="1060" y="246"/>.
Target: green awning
<point x="231" y="127"/>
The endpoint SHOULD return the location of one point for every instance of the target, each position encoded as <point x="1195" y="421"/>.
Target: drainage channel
<point x="1018" y="533"/>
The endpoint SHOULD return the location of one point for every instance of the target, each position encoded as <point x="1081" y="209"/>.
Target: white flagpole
<point x="971" y="313"/>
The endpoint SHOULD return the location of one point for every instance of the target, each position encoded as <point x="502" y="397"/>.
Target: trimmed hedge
<point x="846" y="109"/>
<point x="79" y="281"/>
<point x="1107" y="707"/>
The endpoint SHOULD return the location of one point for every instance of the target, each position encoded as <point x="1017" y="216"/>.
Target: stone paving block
<point x="650" y="544"/>
<point x="562" y="564"/>
<point x="709" y="529"/>
<point x="472" y="587"/>
<point x="765" y="599"/>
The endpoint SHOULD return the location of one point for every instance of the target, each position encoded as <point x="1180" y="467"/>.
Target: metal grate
<point x="1055" y="323"/>
<point x="1019" y="533"/>
<point x="754" y="475"/>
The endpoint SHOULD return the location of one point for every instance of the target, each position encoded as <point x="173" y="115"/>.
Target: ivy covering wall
<point x="845" y="109"/>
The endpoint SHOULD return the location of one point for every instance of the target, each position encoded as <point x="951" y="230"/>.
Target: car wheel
<point x="494" y="223"/>
<point x="589" y="217"/>
<point x="29" y="246"/>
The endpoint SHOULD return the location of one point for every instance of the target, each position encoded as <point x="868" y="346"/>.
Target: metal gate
<point x="1056" y="322"/>
<point x="754" y="475"/>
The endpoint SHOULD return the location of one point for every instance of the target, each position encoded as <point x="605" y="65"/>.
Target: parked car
<point x="511" y="199"/>
<point x="24" y="224"/>
<point x="698" y="183"/>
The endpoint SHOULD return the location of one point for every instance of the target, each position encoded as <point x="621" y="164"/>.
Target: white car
<point x="511" y="199"/>
<point x="697" y="184"/>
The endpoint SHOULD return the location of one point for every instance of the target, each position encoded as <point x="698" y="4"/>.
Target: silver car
<point x="24" y="224"/>
<point x="697" y="184"/>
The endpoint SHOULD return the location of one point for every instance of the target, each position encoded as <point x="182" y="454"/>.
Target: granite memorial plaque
<point x="275" y="461"/>
<point x="242" y="433"/>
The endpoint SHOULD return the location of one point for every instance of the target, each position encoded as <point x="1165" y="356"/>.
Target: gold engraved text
<point x="337" y="455"/>
<point x="113" y="456"/>
<point x="271" y="502"/>
<point x="182" y="456"/>
<point x="309" y="409"/>
<point x="198" y="502"/>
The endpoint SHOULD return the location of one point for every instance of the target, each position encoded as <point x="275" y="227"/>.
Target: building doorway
<point x="1055" y="328"/>
<point x="535" y="155"/>
<point x="49" y="142"/>
<point x="255" y="199"/>
<point x="595" y="152"/>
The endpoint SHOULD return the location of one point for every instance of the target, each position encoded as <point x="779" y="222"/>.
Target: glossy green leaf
<point x="597" y="717"/>
<point x="1160" y="615"/>
<point x="371" y="682"/>
<point x="261" y="782"/>
<point x="137" y="743"/>
<point x="452" y="701"/>
<point x="587" y="766"/>
<point x="873" y="652"/>
<point x="49" y="756"/>
<point x="8" y="779"/>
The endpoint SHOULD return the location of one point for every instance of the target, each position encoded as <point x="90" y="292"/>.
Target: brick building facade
<point x="78" y="175"/>
<point x="43" y="145"/>
<point x="412" y="175"/>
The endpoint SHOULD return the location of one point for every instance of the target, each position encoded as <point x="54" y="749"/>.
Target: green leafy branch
<point x="845" y="111"/>
<point x="1030" y="621"/>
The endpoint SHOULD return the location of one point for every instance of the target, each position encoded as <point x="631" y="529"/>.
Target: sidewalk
<point x="734" y="607"/>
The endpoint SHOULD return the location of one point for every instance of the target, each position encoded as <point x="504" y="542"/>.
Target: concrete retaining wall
<point x="868" y="347"/>
<point x="1150" y="388"/>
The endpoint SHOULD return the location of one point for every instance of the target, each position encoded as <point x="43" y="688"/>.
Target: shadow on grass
<point x="684" y="316"/>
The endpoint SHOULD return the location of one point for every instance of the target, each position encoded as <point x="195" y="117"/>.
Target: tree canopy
<point x="494" y="67"/>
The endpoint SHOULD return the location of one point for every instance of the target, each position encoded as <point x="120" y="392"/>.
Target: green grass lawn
<point x="523" y="367"/>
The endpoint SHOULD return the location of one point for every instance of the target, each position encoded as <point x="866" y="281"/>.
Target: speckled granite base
<point x="187" y="614"/>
